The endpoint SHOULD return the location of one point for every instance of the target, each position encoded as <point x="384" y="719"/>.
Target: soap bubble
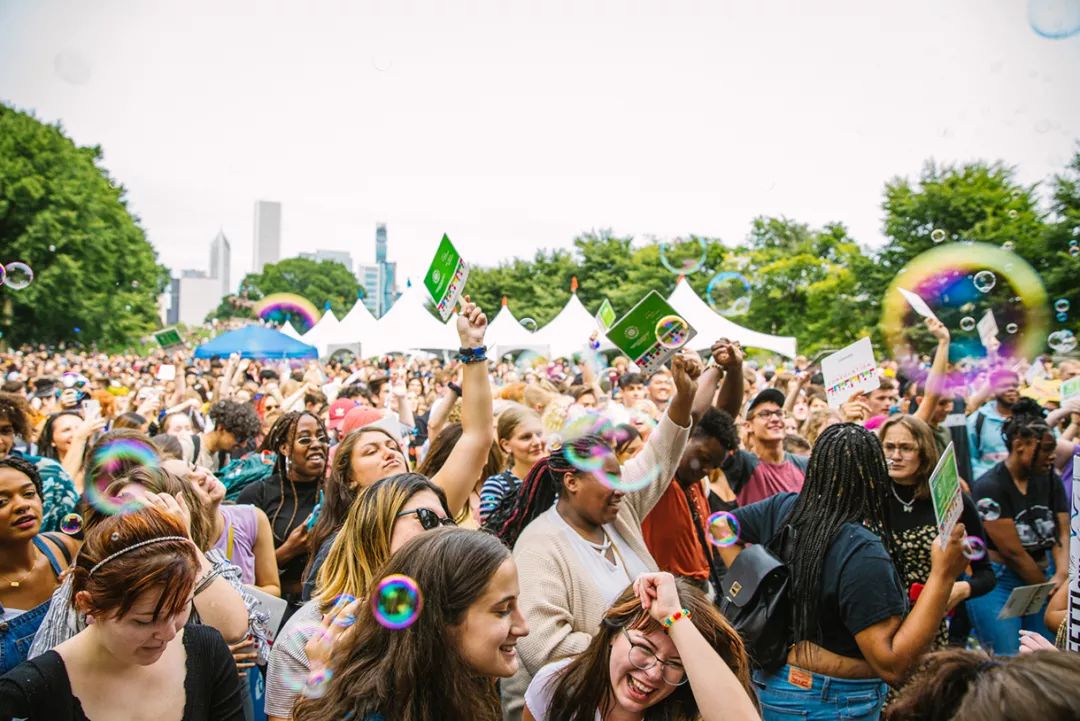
<point x="1062" y="317"/>
<point x="397" y="601"/>
<point x="1013" y="214"/>
<point x="1061" y="305"/>
<point x="587" y="456"/>
<point x="619" y="482"/>
<point x="728" y="293"/>
<point x="672" y="332"/>
<point x="973" y="548"/>
<point x="984" y="281"/>
<point x="1054" y="19"/>
<point x="1008" y="245"/>
<point x="1074" y="250"/>
<point x="316" y="683"/>
<point x="989" y="509"/>
<point x="683" y="257"/>
<point x="1062" y="341"/>
<point x="1011" y="328"/>
<point x="937" y="235"/>
<point x="71" y="524"/>
<point x="18" y="275"/>
<point x="529" y="324"/>
<point x="967" y="323"/>
<point x="723" y="529"/>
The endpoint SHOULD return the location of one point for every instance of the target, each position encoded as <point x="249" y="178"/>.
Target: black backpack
<point x="755" y="600"/>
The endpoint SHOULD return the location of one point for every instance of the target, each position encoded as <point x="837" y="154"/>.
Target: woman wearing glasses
<point x="911" y="455"/>
<point x="663" y="650"/>
<point x="383" y="519"/>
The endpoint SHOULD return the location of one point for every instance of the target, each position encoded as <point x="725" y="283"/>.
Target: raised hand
<point x="471" y="325"/>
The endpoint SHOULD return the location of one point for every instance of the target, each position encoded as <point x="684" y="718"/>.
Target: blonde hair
<point x="363" y="543"/>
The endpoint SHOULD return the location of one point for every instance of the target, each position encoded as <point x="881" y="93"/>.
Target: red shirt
<point x="670" y="534"/>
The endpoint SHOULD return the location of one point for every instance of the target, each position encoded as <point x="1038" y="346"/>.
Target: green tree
<point x="320" y="282"/>
<point x="96" y="278"/>
<point x="1056" y="256"/>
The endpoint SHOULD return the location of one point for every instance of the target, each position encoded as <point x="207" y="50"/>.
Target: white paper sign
<point x="274" y="606"/>
<point x="848" y="371"/>
<point x="1070" y="389"/>
<point x="988" y="328"/>
<point x="917" y="303"/>
<point x="1026" y="600"/>
<point x="166" y="372"/>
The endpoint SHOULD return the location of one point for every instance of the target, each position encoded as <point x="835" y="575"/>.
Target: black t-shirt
<point x="285" y="513"/>
<point x="1035" y="514"/>
<point x="859" y="584"/>
<point x="40" y="690"/>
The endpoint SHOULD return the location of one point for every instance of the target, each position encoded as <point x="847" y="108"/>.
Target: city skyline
<point x="511" y="129"/>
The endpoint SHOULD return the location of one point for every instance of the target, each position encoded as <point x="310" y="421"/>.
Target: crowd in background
<point x="563" y="519"/>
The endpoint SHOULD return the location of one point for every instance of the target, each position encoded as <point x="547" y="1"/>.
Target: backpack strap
<point x="980" y="418"/>
<point x="714" y="576"/>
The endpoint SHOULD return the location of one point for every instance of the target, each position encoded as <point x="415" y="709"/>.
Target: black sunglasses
<point x="428" y="518"/>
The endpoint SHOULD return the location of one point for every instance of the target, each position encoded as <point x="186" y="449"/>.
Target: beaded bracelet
<point x="472" y="355"/>
<point x="680" y="614"/>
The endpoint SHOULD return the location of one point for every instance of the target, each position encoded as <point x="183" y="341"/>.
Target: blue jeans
<point x="828" y="698"/>
<point x="1002" y="637"/>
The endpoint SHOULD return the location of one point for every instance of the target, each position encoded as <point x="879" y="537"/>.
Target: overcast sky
<point x="516" y="125"/>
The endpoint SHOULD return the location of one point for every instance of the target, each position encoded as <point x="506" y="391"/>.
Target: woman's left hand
<point x="658" y="594"/>
<point x="335" y="623"/>
<point x="1031" y="642"/>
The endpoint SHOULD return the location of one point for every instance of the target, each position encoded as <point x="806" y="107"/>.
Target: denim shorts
<point x="828" y="698"/>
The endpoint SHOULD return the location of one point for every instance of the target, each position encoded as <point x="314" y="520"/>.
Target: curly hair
<point x="719" y="426"/>
<point x="25" y="467"/>
<point x="15" y="408"/>
<point x="1027" y="421"/>
<point x="240" y="419"/>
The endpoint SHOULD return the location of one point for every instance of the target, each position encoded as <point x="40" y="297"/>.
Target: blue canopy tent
<point x="255" y="341"/>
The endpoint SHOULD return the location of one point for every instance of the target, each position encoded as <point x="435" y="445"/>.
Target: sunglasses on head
<point x="428" y="518"/>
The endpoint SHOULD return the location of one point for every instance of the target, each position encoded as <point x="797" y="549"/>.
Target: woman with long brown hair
<point x="443" y="665"/>
<point x="663" y="651"/>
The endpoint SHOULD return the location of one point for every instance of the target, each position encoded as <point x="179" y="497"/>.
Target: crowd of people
<point x="414" y="537"/>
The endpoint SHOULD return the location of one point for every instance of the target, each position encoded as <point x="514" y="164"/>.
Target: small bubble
<point x="967" y="323"/>
<point x="52" y="248"/>
<point x="984" y="281"/>
<point x="316" y="683"/>
<point x="1062" y="341"/>
<point x="71" y="524"/>
<point x="1074" y="250"/>
<point x="1013" y="214"/>
<point x="682" y="256"/>
<point x="134" y="284"/>
<point x="528" y="324"/>
<point x="18" y="275"/>
<point x="397" y="602"/>
<point x="672" y="332"/>
<point x="1062" y="317"/>
<point x="1008" y="245"/>
<point x="937" y="235"/>
<point x="723" y="529"/>
<point x="989" y="509"/>
<point x="1061" y="305"/>
<point x="973" y="548"/>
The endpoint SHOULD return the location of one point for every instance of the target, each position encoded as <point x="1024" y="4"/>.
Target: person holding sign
<point x="852" y="630"/>
<point x="1027" y="523"/>
<point x="911" y="454"/>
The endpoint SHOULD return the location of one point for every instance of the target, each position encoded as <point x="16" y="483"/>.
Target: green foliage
<point x="320" y="282"/>
<point x="61" y="214"/>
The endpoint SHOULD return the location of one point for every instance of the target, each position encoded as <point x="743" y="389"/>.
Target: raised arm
<point x="462" y="469"/>
<point x="935" y="381"/>
<point x="718" y="693"/>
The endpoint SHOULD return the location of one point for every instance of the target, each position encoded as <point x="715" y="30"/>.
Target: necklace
<point x="908" y="506"/>
<point x="601" y="548"/>
<point x="18" y="581"/>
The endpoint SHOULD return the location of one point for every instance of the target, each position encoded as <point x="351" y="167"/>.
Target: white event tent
<point x="409" y="326"/>
<point x="288" y="330"/>
<point x="505" y="333"/>
<point x="710" y="325"/>
<point x="322" y="333"/>
<point x="569" y="331"/>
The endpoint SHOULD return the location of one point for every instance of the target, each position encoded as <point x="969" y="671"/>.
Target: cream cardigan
<point x="561" y="605"/>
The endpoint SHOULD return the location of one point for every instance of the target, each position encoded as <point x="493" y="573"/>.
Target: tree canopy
<point x="96" y="277"/>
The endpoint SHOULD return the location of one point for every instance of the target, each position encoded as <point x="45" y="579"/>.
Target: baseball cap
<point x="769" y="395"/>
<point x="338" y="410"/>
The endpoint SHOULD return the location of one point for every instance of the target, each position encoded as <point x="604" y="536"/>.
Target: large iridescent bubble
<point x="944" y="277"/>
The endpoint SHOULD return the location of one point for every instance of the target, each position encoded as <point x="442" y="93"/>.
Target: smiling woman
<point x="288" y="497"/>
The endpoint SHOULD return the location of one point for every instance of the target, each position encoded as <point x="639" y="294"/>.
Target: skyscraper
<point x="220" y="253"/>
<point x="379" y="280"/>
<point x="267" y="234"/>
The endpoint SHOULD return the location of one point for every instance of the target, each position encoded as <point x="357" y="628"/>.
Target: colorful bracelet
<point x="472" y="355"/>
<point x="670" y="620"/>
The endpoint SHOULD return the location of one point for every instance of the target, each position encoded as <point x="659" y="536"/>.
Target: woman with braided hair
<point x="852" y="632"/>
<point x="580" y="553"/>
<point x="1026" y="515"/>
<point x="289" y="495"/>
